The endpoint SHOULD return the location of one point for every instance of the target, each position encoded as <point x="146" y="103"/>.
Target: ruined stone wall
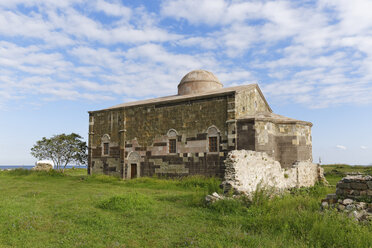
<point x="145" y="130"/>
<point x="247" y="170"/>
<point x="355" y="187"/>
<point x="353" y="197"/>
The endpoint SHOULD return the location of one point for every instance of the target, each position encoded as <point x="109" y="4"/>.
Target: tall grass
<point x="296" y="216"/>
<point x="70" y="210"/>
<point x="208" y="184"/>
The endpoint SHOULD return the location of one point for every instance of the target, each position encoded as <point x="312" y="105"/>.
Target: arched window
<point x="172" y="141"/>
<point x="105" y="141"/>
<point x="213" y="135"/>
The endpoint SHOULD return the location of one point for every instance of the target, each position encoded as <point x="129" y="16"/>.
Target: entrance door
<point x="133" y="170"/>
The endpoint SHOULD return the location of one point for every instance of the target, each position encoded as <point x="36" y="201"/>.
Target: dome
<point x="198" y="81"/>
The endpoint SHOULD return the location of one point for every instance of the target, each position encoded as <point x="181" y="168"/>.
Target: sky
<point x="60" y="59"/>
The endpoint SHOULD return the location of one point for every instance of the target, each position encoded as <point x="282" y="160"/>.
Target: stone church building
<point x="192" y="132"/>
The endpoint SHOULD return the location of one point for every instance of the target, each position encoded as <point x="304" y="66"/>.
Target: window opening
<point x="212" y="144"/>
<point x="105" y="148"/>
<point x="172" y="146"/>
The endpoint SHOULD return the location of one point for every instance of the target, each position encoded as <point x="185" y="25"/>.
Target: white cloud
<point x="317" y="54"/>
<point x="341" y="147"/>
<point x="363" y="147"/>
<point x="332" y="38"/>
<point x="113" y="9"/>
<point x="195" y="11"/>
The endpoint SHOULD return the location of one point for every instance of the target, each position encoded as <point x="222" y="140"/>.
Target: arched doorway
<point x="133" y="165"/>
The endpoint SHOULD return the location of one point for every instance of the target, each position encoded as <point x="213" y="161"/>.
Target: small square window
<point x="105" y="148"/>
<point x="213" y="144"/>
<point x="172" y="146"/>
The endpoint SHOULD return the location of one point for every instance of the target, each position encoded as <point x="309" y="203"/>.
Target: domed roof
<point x="198" y="81"/>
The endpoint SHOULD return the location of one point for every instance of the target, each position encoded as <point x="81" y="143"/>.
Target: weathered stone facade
<point x="191" y="133"/>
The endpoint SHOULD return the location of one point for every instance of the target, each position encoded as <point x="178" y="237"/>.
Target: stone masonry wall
<point x="246" y="135"/>
<point x="286" y="143"/>
<point x="248" y="102"/>
<point x="353" y="197"/>
<point x="144" y="131"/>
<point x="355" y="187"/>
<point x="247" y="170"/>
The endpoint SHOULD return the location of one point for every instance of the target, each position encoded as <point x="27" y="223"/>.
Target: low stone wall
<point x="353" y="197"/>
<point x="355" y="187"/>
<point x="246" y="171"/>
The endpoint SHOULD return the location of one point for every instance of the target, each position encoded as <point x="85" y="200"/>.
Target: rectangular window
<point x="212" y="144"/>
<point x="172" y="146"/>
<point x="105" y="148"/>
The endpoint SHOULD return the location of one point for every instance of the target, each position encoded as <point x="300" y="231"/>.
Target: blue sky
<point x="60" y="59"/>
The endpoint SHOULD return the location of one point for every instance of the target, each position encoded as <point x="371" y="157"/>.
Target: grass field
<point x="334" y="172"/>
<point x="39" y="209"/>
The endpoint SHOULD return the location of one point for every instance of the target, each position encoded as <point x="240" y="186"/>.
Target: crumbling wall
<point x="355" y="187"/>
<point x="247" y="170"/>
<point x="353" y="197"/>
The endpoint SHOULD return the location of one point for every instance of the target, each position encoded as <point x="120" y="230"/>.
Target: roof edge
<point x="263" y="97"/>
<point x="169" y="101"/>
<point x="269" y="119"/>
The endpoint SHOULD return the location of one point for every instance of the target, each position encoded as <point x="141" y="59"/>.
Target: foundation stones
<point x="213" y="198"/>
<point x="347" y="202"/>
<point x="355" y="187"/>
<point x="352" y="197"/>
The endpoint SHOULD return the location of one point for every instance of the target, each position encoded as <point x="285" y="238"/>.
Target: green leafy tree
<point x="62" y="149"/>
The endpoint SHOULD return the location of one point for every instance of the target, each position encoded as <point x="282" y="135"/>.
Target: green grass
<point x="41" y="209"/>
<point x="334" y="172"/>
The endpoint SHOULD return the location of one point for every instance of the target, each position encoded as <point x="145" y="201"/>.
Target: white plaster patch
<point x="246" y="170"/>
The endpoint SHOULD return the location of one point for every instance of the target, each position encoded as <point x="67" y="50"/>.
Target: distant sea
<point x="28" y="167"/>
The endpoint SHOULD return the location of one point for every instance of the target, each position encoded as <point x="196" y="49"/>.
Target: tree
<point x="62" y="149"/>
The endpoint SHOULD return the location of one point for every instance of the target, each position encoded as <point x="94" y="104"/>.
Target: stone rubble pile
<point x="353" y="197"/>
<point x="355" y="187"/>
<point x="214" y="197"/>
